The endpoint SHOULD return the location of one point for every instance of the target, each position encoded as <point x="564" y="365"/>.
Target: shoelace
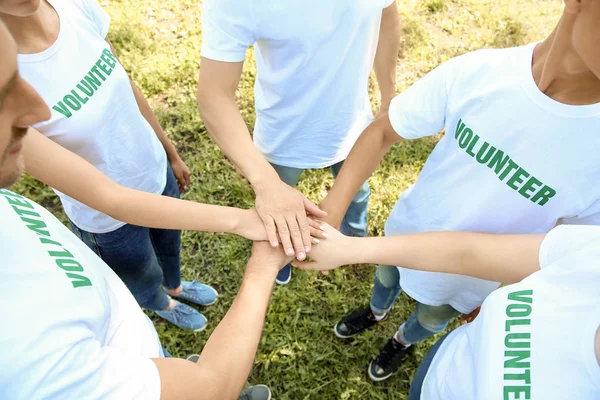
<point x="179" y="311"/>
<point x="390" y="355"/>
<point x="358" y="319"/>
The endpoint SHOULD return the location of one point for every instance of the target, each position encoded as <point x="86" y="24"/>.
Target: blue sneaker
<point x="184" y="317"/>
<point x="258" y="392"/>
<point x="284" y="275"/>
<point x="197" y="293"/>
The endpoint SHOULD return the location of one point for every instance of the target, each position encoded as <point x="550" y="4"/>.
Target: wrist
<point x="264" y="178"/>
<point x="259" y="270"/>
<point x="236" y="221"/>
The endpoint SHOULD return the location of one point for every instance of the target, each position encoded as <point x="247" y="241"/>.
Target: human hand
<point x="283" y="211"/>
<point x="182" y="173"/>
<point x="252" y="227"/>
<point x="266" y="259"/>
<point x="468" y="318"/>
<point x="328" y="254"/>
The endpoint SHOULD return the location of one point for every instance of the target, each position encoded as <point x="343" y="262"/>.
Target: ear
<point x="573" y="6"/>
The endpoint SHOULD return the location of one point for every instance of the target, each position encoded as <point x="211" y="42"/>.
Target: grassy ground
<point x="299" y="357"/>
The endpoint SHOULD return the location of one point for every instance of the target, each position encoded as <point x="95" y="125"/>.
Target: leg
<point x="425" y="322"/>
<point x="167" y="245"/>
<point x="167" y="242"/>
<point x="290" y="176"/>
<point x="417" y="383"/>
<point x="355" y="220"/>
<point x="128" y="251"/>
<point x="385" y="291"/>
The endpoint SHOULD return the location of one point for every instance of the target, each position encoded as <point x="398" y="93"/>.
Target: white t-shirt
<point x="70" y="328"/>
<point x="94" y="111"/>
<point x="534" y="339"/>
<point x="512" y="161"/>
<point x="313" y="60"/>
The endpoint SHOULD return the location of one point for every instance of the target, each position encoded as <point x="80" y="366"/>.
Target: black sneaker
<point x="388" y="361"/>
<point x="355" y="323"/>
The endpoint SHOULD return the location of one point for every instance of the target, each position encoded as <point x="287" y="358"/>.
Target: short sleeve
<point x="97" y="16"/>
<point x="228" y="29"/>
<point x="591" y="216"/>
<point x="567" y="240"/>
<point x="420" y="110"/>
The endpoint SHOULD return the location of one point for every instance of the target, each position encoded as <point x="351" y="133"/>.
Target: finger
<point x="312" y="209"/>
<point x="315" y="224"/>
<point x="296" y="236"/>
<point x="271" y="231"/>
<point x="186" y="176"/>
<point x="284" y="235"/>
<point x="316" y="234"/>
<point x="305" y="230"/>
<point x="305" y="265"/>
<point x="325" y="272"/>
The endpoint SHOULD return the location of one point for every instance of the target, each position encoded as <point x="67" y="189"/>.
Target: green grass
<point x="299" y="357"/>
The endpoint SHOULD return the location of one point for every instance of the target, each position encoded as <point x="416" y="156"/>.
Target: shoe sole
<point x="376" y="379"/>
<point x="201" y="329"/>
<point x="284" y="282"/>
<point x="340" y="335"/>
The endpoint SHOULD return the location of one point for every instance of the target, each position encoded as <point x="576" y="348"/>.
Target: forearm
<point x="367" y="153"/>
<point x="504" y="258"/>
<point x="148" y="114"/>
<point x="386" y="57"/>
<point x="231" y="349"/>
<point x="72" y="175"/>
<point x="229" y="131"/>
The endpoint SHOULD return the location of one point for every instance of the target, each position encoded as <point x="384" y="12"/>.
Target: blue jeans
<point x="355" y="220"/>
<point x="143" y="258"/>
<point x="425" y="322"/>
<point x="416" y="385"/>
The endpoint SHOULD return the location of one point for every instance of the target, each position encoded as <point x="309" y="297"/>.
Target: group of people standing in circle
<point x="509" y="195"/>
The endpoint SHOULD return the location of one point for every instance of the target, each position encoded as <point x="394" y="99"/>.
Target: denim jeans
<point x="143" y="258"/>
<point x="416" y="386"/>
<point x="355" y="220"/>
<point x="425" y="322"/>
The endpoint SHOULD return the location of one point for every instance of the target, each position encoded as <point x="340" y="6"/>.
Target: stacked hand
<point x="328" y="254"/>
<point x="284" y="211"/>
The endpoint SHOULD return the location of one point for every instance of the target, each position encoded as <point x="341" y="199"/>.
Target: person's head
<point x="19" y="8"/>
<point x="583" y="17"/>
<point x="20" y="107"/>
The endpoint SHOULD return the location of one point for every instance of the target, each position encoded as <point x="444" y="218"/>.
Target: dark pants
<point x="417" y="383"/>
<point x="143" y="258"/>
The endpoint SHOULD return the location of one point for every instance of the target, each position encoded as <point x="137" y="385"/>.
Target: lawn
<point x="299" y="356"/>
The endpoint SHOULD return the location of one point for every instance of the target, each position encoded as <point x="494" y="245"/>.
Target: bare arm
<point x="282" y="208"/>
<point x="502" y="258"/>
<point x="227" y="358"/>
<point x="181" y="171"/>
<point x="386" y="57"/>
<point x="367" y="153"/>
<point x="75" y="177"/>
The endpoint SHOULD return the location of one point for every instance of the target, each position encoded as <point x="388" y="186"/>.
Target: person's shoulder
<point x="490" y="59"/>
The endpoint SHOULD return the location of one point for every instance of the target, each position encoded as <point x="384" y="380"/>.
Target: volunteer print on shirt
<point x="507" y="170"/>
<point x="78" y="97"/>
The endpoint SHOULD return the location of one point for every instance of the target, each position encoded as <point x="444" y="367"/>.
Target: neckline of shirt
<point x="50" y="51"/>
<point x="546" y="102"/>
